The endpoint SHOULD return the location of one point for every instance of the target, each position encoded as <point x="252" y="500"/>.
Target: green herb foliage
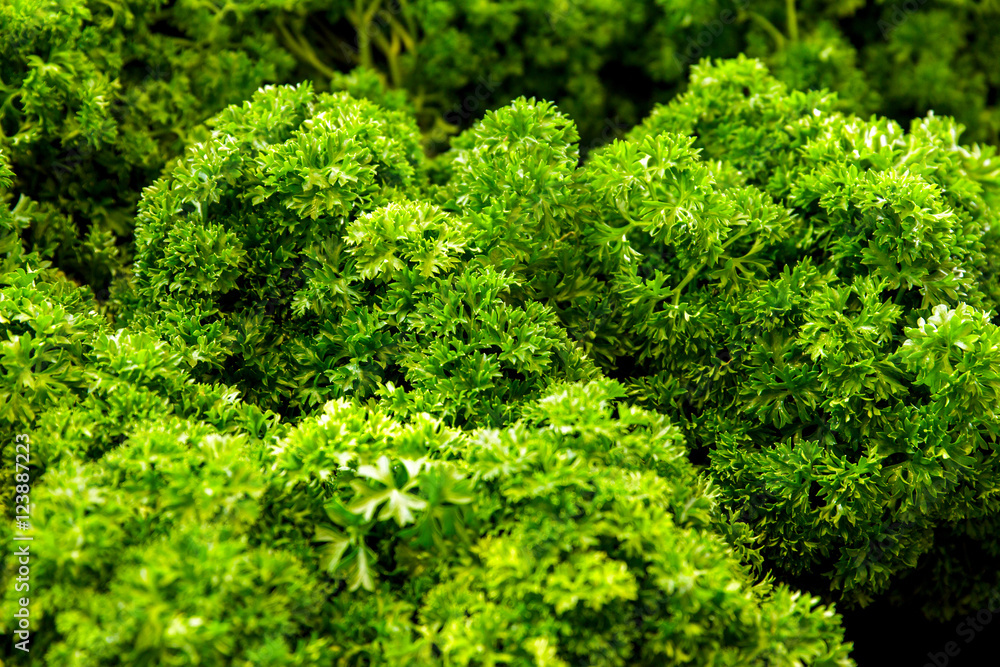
<point x="307" y="383"/>
<point x="817" y="306"/>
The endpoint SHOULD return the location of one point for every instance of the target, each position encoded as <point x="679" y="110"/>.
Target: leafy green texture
<point x="343" y="334"/>
<point x="606" y="63"/>
<point x="143" y="557"/>
<point x="79" y="390"/>
<point x="817" y="309"/>
<point x="292" y="255"/>
<point x="97" y="97"/>
<point x="579" y="534"/>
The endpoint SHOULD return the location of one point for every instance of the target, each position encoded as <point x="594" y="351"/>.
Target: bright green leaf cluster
<point x="296" y="254"/>
<point x="579" y="534"/>
<point x="356" y="396"/>
<point x="818" y="308"/>
<point x="97" y="97"/>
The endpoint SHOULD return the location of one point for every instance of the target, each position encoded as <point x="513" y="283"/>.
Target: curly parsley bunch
<point x="813" y="296"/>
<point x="297" y="255"/>
<point x="577" y="534"/>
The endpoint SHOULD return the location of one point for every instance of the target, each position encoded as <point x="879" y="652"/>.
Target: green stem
<point x="779" y="39"/>
<point x="899" y="294"/>
<point x="411" y="26"/>
<point x="361" y="27"/>
<point x="793" y="21"/>
<point x="735" y="237"/>
<point x="8" y="103"/>
<point x="418" y="100"/>
<point x="391" y="52"/>
<point x="393" y="56"/>
<point x="362" y="19"/>
<point x="692" y="272"/>
<point x="331" y="44"/>
<point x="400" y="39"/>
<point x="404" y="34"/>
<point x="302" y="49"/>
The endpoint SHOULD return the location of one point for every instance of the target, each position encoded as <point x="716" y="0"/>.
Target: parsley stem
<point x="793" y="21"/>
<point x="692" y="272"/>
<point x="362" y="19"/>
<point x="301" y="48"/>
<point x="779" y="39"/>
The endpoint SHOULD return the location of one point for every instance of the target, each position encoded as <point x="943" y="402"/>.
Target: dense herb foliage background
<point x="549" y="332"/>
